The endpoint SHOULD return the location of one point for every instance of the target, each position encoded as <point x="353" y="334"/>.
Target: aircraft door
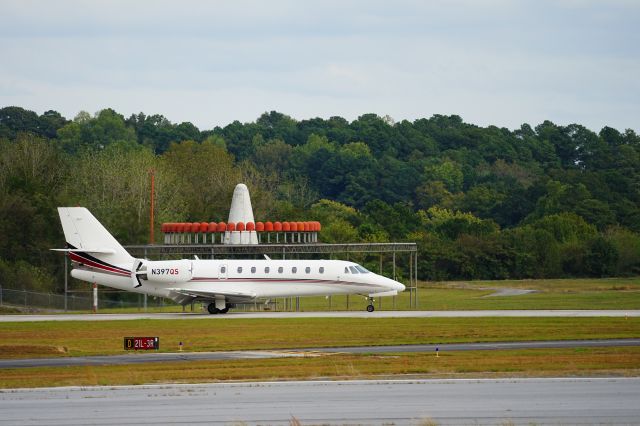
<point x="223" y="272"/>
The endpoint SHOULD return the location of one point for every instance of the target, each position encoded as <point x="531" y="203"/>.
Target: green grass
<point x="522" y="363"/>
<point x="614" y="293"/>
<point x="77" y="338"/>
<point x="551" y="285"/>
<point x="8" y="310"/>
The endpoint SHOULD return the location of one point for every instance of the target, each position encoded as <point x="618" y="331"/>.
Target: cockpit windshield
<point x="353" y="270"/>
<point x="362" y="269"/>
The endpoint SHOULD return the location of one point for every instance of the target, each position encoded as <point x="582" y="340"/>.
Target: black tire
<point x="224" y="311"/>
<point x="370" y="308"/>
<point x="211" y="307"/>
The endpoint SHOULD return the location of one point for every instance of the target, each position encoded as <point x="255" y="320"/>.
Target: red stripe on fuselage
<point x="78" y="258"/>
<point x="280" y="280"/>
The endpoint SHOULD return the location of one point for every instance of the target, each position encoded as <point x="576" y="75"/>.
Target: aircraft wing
<point x="185" y="296"/>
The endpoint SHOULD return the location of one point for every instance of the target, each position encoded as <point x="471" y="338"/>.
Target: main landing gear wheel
<point x="211" y="307"/>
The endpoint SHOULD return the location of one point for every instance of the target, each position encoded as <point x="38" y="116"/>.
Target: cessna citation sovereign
<point x="98" y="258"/>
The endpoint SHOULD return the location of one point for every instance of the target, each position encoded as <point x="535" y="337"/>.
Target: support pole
<point x="95" y="298"/>
<point x="415" y="271"/>
<point x="394" y="265"/>
<point x="66" y="280"/>
<point x="151" y="227"/>
<point x="410" y="280"/>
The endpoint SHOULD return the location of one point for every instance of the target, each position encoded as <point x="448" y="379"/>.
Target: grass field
<point x="76" y="338"/>
<point x="609" y="293"/>
<point x="526" y="363"/>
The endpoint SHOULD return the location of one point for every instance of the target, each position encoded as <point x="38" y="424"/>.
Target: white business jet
<point x="98" y="258"/>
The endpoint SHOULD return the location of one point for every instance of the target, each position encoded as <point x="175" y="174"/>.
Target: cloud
<point x="492" y="62"/>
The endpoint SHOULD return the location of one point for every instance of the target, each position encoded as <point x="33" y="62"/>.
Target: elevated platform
<point x="152" y="251"/>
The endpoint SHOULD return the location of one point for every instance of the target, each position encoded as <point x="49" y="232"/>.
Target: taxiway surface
<point x="478" y="401"/>
<point x="324" y="314"/>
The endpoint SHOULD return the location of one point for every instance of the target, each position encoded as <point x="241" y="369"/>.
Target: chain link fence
<point x="30" y="301"/>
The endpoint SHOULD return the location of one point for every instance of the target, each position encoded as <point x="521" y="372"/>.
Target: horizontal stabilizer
<point x="99" y="250"/>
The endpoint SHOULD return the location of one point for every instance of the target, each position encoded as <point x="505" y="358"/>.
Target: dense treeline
<point x="549" y="201"/>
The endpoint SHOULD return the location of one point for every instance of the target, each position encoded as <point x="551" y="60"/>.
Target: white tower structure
<point x="241" y="214"/>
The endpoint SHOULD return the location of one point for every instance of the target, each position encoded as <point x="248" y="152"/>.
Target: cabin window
<point x="362" y="269"/>
<point x="266" y="269"/>
<point x="294" y="270"/>
<point x="280" y="269"/>
<point x="321" y="269"/>
<point x="346" y="270"/>
<point x="253" y="269"/>
<point x="353" y="270"/>
<point x="307" y="270"/>
<point x="223" y="269"/>
<point x="239" y="269"/>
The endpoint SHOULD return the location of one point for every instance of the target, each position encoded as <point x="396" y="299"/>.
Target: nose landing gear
<point x="370" y="307"/>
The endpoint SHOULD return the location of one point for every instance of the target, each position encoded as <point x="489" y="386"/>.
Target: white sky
<point x="211" y="62"/>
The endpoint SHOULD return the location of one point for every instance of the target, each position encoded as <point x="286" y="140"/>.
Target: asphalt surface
<point x="341" y="314"/>
<point x="491" y="346"/>
<point x="413" y="402"/>
<point x="144" y="357"/>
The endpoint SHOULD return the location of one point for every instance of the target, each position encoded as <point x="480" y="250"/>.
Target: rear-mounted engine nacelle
<point x="161" y="271"/>
<point x="169" y="270"/>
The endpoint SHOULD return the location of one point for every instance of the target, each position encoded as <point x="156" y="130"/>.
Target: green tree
<point x="14" y="120"/>
<point x="206" y="176"/>
<point x="86" y="133"/>
<point x="447" y="172"/>
<point x="119" y="178"/>
<point x="452" y="224"/>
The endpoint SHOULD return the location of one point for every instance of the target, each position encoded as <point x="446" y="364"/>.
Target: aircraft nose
<point x="395" y="285"/>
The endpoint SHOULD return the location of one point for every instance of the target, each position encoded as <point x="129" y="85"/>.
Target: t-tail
<point x="89" y="243"/>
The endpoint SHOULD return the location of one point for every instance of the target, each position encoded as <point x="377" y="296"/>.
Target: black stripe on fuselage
<point x="96" y="260"/>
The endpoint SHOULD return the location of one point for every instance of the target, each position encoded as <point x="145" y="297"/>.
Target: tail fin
<point x="84" y="234"/>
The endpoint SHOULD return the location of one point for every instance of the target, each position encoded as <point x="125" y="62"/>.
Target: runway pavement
<point x="324" y="314"/>
<point x="137" y="358"/>
<point x="409" y="402"/>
